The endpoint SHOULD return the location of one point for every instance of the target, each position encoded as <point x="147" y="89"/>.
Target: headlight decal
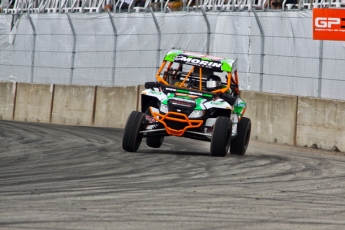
<point x="197" y="114"/>
<point x="163" y="108"/>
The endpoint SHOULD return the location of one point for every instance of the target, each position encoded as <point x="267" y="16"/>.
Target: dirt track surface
<point x="61" y="177"/>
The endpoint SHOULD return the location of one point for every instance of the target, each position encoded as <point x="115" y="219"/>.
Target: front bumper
<point x="176" y="124"/>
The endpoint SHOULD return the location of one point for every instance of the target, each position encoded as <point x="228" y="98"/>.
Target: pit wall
<point x="283" y="119"/>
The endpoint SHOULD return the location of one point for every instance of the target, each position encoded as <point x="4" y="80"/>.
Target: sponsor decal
<point x="191" y="93"/>
<point x="207" y="95"/>
<point x="182" y="103"/>
<point x="328" y="24"/>
<point x="198" y="62"/>
<point x="155" y="92"/>
<point x="219" y="103"/>
<point x="182" y="99"/>
<point x="194" y="93"/>
<point x="171" y="89"/>
<point x="183" y="91"/>
<point x="186" y="95"/>
<point x="150" y="119"/>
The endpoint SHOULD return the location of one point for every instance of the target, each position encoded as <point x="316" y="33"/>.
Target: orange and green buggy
<point x="194" y="96"/>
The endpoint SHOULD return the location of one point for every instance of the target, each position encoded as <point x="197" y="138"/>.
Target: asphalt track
<point x="62" y="177"/>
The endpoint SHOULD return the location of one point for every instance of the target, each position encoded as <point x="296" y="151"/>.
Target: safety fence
<point x="275" y="50"/>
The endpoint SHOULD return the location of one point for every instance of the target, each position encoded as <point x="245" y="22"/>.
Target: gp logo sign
<point x="323" y="22"/>
<point x="328" y="24"/>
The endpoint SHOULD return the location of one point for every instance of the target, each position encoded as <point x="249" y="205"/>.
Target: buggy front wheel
<point x="131" y="137"/>
<point x="221" y="135"/>
<point x="240" y="143"/>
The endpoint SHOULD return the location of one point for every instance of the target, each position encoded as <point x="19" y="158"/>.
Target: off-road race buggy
<point x="195" y="96"/>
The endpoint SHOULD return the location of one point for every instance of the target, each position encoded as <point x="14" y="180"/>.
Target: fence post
<point x="262" y="55"/>
<point x="33" y="49"/>
<point x="73" y="48"/>
<point x="319" y="85"/>
<point x="250" y="5"/>
<point x="208" y="31"/>
<point x="115" y="47"/>
<point x="159" y="38"/>
<point x="184" y="3"/>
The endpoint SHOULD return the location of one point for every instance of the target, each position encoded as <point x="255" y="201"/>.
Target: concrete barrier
<point x="33" y="102"/>
<point x="140" y="90"/>
<point x="273" y="116"/>
<point x="302" y="121"/>
<point x="7" y="97"/>
<point x="114" y="104"/>
<point x="73" y="105"/>
<point x="321" y="123"/>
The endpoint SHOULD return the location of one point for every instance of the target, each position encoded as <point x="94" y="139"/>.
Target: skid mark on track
<point x="79" y="177"/>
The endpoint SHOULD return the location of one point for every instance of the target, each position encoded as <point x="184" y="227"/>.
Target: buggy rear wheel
<point x="240" y="143"/>
<point x="131" y="137"/>
<point x="155" y="141"/>
<point x="220" y="142"/>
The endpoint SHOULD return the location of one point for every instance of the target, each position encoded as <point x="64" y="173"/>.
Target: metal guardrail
<point x="97" y="6"/>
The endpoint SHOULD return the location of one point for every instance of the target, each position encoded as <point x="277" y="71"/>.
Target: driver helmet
<point x="213" y="82"/>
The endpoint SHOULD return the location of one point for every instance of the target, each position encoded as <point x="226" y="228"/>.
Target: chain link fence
<point x="275" y="50"/>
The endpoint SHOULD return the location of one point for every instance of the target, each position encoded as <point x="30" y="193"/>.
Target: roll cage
<point x="200" y="67"/>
